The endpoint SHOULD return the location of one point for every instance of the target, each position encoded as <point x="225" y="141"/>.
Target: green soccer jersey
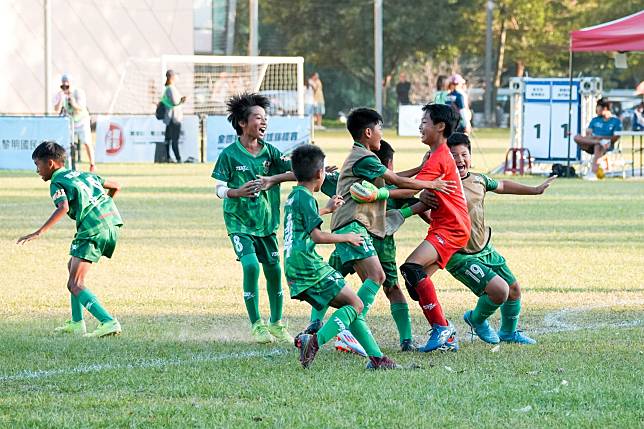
<point x="258" y="216"/>
<point x="330" y="184"/>
<point x="303" y="266"/>
<point x="89" y="205"/>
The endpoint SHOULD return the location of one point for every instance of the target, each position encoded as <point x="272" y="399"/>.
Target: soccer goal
<point x="208" y="81"/>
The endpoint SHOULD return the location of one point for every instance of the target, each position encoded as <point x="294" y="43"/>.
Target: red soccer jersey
<point x="451" y="217"/>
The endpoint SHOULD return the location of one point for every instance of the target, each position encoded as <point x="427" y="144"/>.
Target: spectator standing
<point x="402" y="89"/>
<point x="440" y="96"/>
<point x="72" y="102"/>
<point x="174" y="114"/>
<point x="638" y="117"/>
<point x="318" y="99"/>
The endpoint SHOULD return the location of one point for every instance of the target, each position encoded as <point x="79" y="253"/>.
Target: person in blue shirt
<point x="600" y="135"/>
<point x="638" y="117"/>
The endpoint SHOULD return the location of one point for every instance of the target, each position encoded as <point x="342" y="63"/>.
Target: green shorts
<point x="91" y="247"/>
<point x="475" y="271"/>
<point x="264" y="247"/>
<point x="322" y="293"/>
<point x="383" y="250"/>
<point x="348" y="253"/>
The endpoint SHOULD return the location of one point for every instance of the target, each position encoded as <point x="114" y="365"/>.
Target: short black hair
<point x="443" y="113"/>
<point x="457" y="139"/>
<point x="239" y="107"/>
<point x="385" y="153"/>
<point x="305" y="161"/>
<point x="360" y="119"/>
<point x="50" y="150"/>
<point x="605" y="104"/>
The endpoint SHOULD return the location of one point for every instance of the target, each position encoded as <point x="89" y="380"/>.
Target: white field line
<point x="137" y="364"/>
<point x="556" y="321"/>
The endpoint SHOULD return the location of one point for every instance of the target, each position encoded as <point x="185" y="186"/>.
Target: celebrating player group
<point x="368" y="204"/>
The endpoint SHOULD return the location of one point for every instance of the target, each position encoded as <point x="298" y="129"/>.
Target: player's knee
<point x="515" y="292"/>
<point x="378" y="276"/>
<point x="497" y="290"/>
<point x="74" y="287"/>
<point x="394" y="294"/>
<point x="413" y="274"/>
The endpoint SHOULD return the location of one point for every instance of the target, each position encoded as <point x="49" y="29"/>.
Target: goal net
<point x="208" y="81"/>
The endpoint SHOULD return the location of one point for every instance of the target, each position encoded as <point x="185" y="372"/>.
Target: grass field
<point x="185" y="359"/>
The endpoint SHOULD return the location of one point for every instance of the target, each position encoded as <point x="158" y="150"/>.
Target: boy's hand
<point x="444" y="186"/>
<point x="546" y="184"/>
<point x="28" y="237"/>
<point x="330" y="169"/>
<point x="267" y="182"/>
<point x="367" y="192"/>
<point x="248" y="189"/>
<point x="334" y="203"/>
<point x="354" y="239"/>
<point x="429" y="199"/>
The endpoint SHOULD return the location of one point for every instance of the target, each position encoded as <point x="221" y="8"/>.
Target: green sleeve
<point x="330" y="184"/>
<point x="280" y="163"/>
<point x="310" y="213"/>
<point x="222" y="169"/>
<point x="490" y="183"/>
<point x="58" y="194"/>
<point x="369" y="168"/>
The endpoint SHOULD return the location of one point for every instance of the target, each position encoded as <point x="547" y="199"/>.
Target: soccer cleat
<point x="408" y="346"/>
<point x="260" y="333"/>
<point x="451" y="345"/>
<point x="113" y="327"/>
<point x="71" y="327"/>
<point x="313" y="328"/>
<point x="382" y="362"/>
<point x="482" y="330"/>
<point x="516" y="337"/>
<point x="308" y="349"/>
<point x="438" y="337"/>
<point x="347" y="343"/>
<point x="279" y="332"/>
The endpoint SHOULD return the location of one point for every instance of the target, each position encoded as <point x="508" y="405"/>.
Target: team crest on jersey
<point x="59" y="193"/>
<point x="267" y="165"/>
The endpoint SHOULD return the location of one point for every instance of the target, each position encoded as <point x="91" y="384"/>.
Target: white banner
<point x="133" y="138"/>
<point x="19" y="136"/>
<point x="284" y="132"/>
<point x="409" y="117"/>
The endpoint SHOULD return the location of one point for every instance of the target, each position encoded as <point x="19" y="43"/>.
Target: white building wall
<point x="91" y="39"/>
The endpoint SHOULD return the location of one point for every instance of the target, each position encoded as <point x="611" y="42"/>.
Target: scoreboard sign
<point x="545" y="119"/>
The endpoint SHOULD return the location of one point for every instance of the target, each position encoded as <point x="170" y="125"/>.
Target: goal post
<point x="208" y="81"/>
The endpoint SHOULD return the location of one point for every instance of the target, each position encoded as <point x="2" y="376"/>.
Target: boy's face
<point x="45" y="168"/>
<point x="255" y="125"/>
<point x="462" y="158"/>
<point x="371" y="137"/>
<point x="430" y="133"/>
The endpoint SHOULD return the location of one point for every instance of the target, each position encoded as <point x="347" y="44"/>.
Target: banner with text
<point x="284" y="132"/>
<point x="133" y="138"/>
<point x="19" y="136"/>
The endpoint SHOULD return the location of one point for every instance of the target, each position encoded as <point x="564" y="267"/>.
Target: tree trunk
<point x="520" y="67"/>
<point x="500" y="57"/>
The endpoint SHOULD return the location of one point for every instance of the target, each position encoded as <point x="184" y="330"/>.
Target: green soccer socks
<point x="340" y="320"/>
<point x="361" y="331"/>
<point x="318" y="314"/>
<point x="91" y="303"/>
<point x="510" y="315"/>
<point x="367" y="293"/>
<point x="250" y="266"/>
<point x="400" y="313"/>
<point x="77" y="308"/>
<point x="273" y="275"/>
<point x="484" y="309"/>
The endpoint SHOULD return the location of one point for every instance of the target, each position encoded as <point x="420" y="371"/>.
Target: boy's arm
<point x="414" y="171"/>
<point x="112" y="187"/>
<point x="58" y="214"/>
<point x="248" y="189"/>
<point x="320" y="237"/>
<point x="402" y="194"/>
<point x="334" y="203"/>
<point x="511" y="187"/>
<point x="440" y="185"/>
<point x="268" y="182"/>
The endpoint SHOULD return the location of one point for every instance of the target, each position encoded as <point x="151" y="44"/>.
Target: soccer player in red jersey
<point x="448" y="232"/>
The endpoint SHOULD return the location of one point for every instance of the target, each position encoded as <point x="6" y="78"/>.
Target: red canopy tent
<point x="623" y="35"/>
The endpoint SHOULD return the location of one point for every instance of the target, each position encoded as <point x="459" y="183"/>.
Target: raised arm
<point x="58" y="214"/>
<point x="440" y="185"/>
<point x="516" y="188"/>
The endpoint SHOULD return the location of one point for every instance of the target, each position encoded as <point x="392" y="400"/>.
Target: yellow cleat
<point x="113" y="327"/>
<point x="71" y="327"/>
